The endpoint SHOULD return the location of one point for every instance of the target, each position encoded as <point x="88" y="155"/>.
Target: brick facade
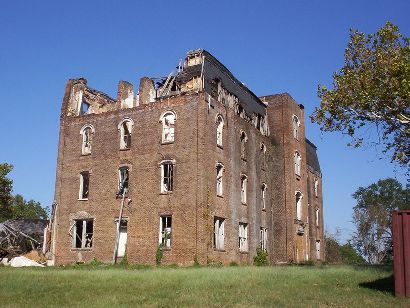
<point x="200" y="93"/>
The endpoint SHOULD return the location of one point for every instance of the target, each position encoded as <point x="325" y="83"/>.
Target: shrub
<point x="159" y="254"/>
<point x="233" y="263"/>
<point x="261" y="258"/>
<point x="95" y="262"/>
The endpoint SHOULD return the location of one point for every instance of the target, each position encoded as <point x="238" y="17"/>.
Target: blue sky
<point x="271" y="46"/>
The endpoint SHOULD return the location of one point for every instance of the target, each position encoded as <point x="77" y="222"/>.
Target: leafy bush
<point x="261" y="258"/>
<point x="233" y="263"/>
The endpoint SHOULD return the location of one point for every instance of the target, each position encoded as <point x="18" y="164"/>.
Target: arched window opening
<point x="295" y="124"/>
<point x="244" y="183"/>
<point x="219" y="130"/>
<point x="244" y="139"/>
<point x="263" y="195"/>
<point x="219" y="183"/>
<point x="263" y="155"/>
<point x="168" y="130"/>
<point x="125" y="128"/>
<point x="87" y="133"/>
<point x="298" y="197"/>
<point x="298" y="160"/>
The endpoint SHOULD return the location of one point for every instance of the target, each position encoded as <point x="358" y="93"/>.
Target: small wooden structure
<point x="401" y="251"/>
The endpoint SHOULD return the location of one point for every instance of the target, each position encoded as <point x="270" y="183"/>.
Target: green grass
<point x="107" y="286"/>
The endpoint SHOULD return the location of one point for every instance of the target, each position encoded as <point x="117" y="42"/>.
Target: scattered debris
<point x="23" y="261"/>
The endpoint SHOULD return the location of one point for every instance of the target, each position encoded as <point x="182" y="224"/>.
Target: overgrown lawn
<point x="107" y="286"/>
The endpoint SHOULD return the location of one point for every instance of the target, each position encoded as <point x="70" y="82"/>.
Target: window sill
<point x="86" y="199"/>
<point x="125" y="149"/>
<point x="244" y="203"/>
<point x="81" y="249"/>
<point x="264" y="210"/>
<point x="166" y="192"/>
<point x="166" y="142"/>
<point x="220" y="146"/>
<point x="244" y="252"/>
<point x="120" y="196"/>
<point x="219" y="250"/>
<point x="85" y="154"/>
<point x="220" y="196"/>
<point x="297" y="177"/>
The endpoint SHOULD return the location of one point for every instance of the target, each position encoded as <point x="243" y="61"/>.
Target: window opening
<point x="165" y="229"/>
<point x="219" y="184"/>
<point x="167" y="174"/>
<point x="123" y="180"/>
<point x="263" y="238"/>
<point x="85" y="108"/>
<point x="84" y="185"/>
<point x="243" y="236"/>
<point x="168" y="122"/>
<point x="219" y="233"/>
<point x="83" y="234"/>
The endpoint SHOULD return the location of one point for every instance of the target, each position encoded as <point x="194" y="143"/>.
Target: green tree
<point x="27" y="209"/>
<point x="372" y="217"/>
<point x="5" y="192"/>
<point x="341" y="254"/>
<point x="371" y="93"/>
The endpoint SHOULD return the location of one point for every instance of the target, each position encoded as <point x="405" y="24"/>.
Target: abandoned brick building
<point x="194" y="163"/>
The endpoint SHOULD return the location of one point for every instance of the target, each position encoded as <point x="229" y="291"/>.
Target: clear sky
<point x="271" y="46"/>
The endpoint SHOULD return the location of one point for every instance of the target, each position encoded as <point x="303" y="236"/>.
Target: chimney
<point x="125" y="94"/>
<point x="146" y="91"/>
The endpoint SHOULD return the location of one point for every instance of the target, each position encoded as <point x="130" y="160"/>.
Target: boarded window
<point x="165" y="230"/>
<point x="83" y="234"/>
<point x="84" y="185"/>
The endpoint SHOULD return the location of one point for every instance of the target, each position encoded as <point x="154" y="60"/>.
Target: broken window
<point x="244" y="139"/>
<point x="295" y="125"/>
<point x="87" y="134"/>
<point x="263" y="195"/>
<point x="263" y="155"/>
<point x="244" y="181"/>
<point x="84" y="185"/>
<point x="123" y="180"/>
<point x="84" y="108"/>
<point x="219" y="233"/>
<point x="125" y="128"/>
<point x="219" y="130"/>
<point x="83" y="233"/>
<point x="316" y="187"/>
<point x="168" y="122"/>
<point x="263" y="238"/>
<point x="165" y="229"/>
<point x="167" y="175"/>
<point x="243" y="236"/>
<point x="219" y="173"/>
<point x="297" y="159"/>
<point x="298" y="197"/>
<point x="317" y="217"/>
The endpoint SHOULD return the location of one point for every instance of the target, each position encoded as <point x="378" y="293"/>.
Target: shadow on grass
<point x="382" y="284"/>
